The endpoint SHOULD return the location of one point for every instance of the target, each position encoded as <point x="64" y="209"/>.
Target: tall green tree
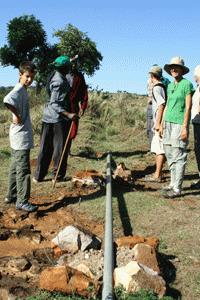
<point x="26" y="40"/>
<point x="72" y="41"/>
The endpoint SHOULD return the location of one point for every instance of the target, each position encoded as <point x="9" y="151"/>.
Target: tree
<point x="73" y="41"/>
<point x="27" y="41"/>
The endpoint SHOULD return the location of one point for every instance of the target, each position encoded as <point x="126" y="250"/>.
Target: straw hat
<point x="197" y="71"/>
<point x="176" y="61"/>
<point x="156" y="70"/>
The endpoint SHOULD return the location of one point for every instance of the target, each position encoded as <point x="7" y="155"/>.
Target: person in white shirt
<point x="195" y="117"/>
<point x="159" y="96"/>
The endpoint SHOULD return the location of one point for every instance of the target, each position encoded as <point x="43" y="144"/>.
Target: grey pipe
<point x="107" y="293"/>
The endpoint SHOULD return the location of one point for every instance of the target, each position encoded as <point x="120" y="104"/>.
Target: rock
<point x="88" y="178"/>
<point x="123" y="275"/>
<point x="131" y="241"/>
<point x="57" y="250"/>
<point x="66" y="280"/>
<point x="146" y="255"/>
<point x="19" y="264"/>
<point x="122" y="173"/>
<point x="35" y="268"/>
<point x="93" y="263"/>
<point x="54" y="279"/>
<point x="143" y="280"/>
<point x="133" y="278"/>
<point x="85" y="270"/>
<point x="5" y="234"/>
<point x="4" y="294"/>
<point x="30" y="234"/>
<point x="71" y="239"/>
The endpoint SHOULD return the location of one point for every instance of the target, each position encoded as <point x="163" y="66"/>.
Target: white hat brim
<point x="167" y="68"/>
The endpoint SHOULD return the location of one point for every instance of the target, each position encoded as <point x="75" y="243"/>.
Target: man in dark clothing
<point x="56" y="122"/>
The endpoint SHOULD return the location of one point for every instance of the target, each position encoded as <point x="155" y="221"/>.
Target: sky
<point x="131" y="35"/>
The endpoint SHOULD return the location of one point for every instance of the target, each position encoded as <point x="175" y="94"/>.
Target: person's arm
<point x="57" y="104"/>
<point x="84" y="101"/>
<point x="16" y="117"/>
<point x="188" y="105"/>
<point x="160" y="112"/>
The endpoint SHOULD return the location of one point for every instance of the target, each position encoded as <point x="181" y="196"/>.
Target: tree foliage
<point x="72" y="41"/>
<point x="26" y="40"/>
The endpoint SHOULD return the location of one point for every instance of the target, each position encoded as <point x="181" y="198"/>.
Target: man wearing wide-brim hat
<point x="56" y="121"/>
<point x="176" y="124"/>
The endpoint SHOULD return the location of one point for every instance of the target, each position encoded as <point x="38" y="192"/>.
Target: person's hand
<point x="72" y="116"/>
<point x="81" y="112"/>
<point x="184" y="134"/>
<point x="157" y="127"/>
<point x="16" y="120"/>
<point x="161" y="130"/>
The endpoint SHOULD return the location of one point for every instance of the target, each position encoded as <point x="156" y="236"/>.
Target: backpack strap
<point x="164" y="88"/>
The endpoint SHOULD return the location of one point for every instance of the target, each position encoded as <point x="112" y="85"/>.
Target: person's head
<point x="197" y="74"/>
<point x="62" y="64"/>
<point x="155" y="73"/>
<point x="176" y="68"/>
<point x="27" y="72"/>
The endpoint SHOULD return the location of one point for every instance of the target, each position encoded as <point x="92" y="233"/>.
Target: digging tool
<point x="61" y="159"/>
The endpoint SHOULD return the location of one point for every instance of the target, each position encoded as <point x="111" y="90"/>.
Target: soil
<point x="29" y="235"/>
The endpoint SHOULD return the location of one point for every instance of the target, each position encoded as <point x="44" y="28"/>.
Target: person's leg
<point x="196" y="128"/>
<point x="149" y="123"/>
<point x="170" y="161"/>
<point x="23" y="181"/>
<point x="180" y="155"/>
<point x="61" y="131"/>
<point x="45" y="153"/>
<point x="160" y="160"/>
<point x="23" y="175"/>
<point x="12" y="185"/>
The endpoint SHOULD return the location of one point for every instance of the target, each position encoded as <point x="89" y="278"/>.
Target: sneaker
<point x="35" y="180"/>
<point x="172" y="194"/>
<point x="26" y="206"/>
<point x="166" y="189"/>
<point x="9" y="200"/>
<point x="195" y="185"/>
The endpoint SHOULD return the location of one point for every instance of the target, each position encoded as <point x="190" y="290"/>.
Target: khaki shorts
<point x="157" y="144"/>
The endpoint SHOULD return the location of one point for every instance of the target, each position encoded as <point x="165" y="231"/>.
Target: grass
<point x="116" y="122"/>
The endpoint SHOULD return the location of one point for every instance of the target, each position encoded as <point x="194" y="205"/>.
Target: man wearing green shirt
<point x="176" y="124"/>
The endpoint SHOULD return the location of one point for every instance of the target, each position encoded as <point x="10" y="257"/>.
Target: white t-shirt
<point x="159" y="95"/>
<point x="195" y="116"/>
<point x="21" y="136"/>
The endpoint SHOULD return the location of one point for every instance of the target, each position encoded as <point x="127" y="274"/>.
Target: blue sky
<point x="131" y="35"/>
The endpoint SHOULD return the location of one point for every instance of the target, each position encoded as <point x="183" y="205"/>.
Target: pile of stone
<point x="137" y="264"/>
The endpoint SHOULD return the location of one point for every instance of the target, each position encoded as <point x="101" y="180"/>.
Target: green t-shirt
<point x="176" y="94"/>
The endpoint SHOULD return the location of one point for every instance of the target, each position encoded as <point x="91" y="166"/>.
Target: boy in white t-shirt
<point x="158" y="105"/>
<point x="21" y="140"/>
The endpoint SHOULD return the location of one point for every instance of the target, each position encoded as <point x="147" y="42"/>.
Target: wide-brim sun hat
<point x="156" y="70"/>
<point x="197" y="71"/>
<point x="61" y="61"/>
<point x="176" y="61"/>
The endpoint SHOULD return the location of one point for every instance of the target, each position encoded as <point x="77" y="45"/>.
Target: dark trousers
<point x="53" y="138"/>
<point x="196" y="128"/>
<point x="149" y="123"/>
<point x="19" y="184"/>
